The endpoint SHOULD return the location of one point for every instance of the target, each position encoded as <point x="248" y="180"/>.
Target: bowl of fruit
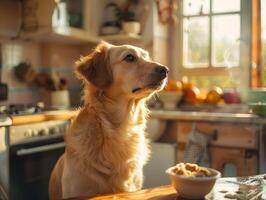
<point x="171" y="95"/>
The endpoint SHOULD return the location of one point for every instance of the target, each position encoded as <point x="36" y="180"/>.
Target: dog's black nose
<point x="162" y="70"/>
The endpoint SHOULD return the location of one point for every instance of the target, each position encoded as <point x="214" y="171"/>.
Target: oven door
<point x="30" y="168"/>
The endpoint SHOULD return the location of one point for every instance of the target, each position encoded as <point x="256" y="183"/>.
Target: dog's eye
<point x="130" y="58"/>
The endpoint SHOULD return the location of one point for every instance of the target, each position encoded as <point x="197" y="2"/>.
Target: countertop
<point x="207" y="116"/>
<point x="44" y="116"/>
<point x="239" y="188"/>
<point x="5" y="120"/>
<point x="161" y="114"/>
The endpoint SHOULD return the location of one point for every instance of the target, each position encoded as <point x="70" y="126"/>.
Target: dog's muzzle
<point x="157" y="77"/>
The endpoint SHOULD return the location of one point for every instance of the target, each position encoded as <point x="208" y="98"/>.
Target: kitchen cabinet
<point x="231" y="145"/>
<point x="237" y="141"/>
<point x="222" y="134"/>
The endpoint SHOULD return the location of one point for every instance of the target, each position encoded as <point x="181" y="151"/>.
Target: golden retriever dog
<point x="106" y="147"/>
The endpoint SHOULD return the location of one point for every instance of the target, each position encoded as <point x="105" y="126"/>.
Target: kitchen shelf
<point x="67" y="35"/>
<point x="121" y="37"/>
<point x="70" y="35"/>
<point x="92" y="20"/>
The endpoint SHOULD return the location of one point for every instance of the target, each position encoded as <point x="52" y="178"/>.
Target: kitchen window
<point x="211" y="33"/>
<point x="215" y="37"/>
<point x="258" y="72"/>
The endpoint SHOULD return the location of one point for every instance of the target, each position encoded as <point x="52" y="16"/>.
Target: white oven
<point x="30" y="155"/>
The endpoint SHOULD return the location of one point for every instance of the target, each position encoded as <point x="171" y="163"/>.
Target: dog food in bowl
<point x="192" y="170"/>
<point x="192" y="181"/>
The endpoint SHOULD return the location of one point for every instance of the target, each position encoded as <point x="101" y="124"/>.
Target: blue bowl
<point x="257" y="95"/>
<point x="258" y="108"/>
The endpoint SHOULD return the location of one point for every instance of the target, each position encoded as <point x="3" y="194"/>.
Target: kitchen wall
<point x="14" y="52"/>
<point x="44" y="57"/>
<point x="61" y="58"/>
<point x="161" y="39"/>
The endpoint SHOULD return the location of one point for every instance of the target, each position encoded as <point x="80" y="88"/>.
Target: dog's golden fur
<point x="106" y="147"/>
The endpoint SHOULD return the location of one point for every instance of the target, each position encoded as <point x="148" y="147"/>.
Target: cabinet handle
<point x="40" y="149"/>
<point x="215" y="134"/>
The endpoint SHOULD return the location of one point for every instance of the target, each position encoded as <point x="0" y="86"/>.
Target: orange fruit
<point x="201" y="96"/>
<point x="214" y="96"/>
<point x="186" y="84"/>
<point x="191" y="95"/>
<point x="173" y="86"/>
<point x="178" y="86"/>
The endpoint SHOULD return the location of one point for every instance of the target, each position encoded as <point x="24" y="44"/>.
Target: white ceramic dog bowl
<point x="170" y="99"/>
<point x="193" y="187"/>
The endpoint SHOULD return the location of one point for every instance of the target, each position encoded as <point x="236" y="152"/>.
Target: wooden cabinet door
<point x="224" y="134"/>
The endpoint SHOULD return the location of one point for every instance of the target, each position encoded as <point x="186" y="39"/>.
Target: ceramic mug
<point x="131" y="27"/>
<point x="60" y="98"/>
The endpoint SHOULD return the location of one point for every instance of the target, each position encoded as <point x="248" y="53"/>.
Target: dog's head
<point x="122" y="69"/>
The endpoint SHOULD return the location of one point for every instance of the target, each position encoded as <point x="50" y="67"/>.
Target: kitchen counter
<point x="253" y="188"/>
<point x="5" y="120"/>
<point x="207" y="116"/>
<point x="44" y="116"/>
<point x="161" y="114"/>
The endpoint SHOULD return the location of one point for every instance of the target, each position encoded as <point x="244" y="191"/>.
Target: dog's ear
<point x="95" y="67"/>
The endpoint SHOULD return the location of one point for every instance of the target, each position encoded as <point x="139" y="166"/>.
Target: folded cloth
<point x="196" y="150"/>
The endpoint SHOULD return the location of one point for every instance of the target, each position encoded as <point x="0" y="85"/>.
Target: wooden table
<point x="235" y="188"/>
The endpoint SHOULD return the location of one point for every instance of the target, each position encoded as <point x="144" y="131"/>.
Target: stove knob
<point x="44" y="131"/>
<point x="54" y="130"/>
<point x="28" y="133"/>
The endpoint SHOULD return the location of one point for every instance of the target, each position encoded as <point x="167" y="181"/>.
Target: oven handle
<point x="28" y="151"/>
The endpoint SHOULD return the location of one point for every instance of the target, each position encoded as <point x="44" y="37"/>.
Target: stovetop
<point x="5" y="120"/>
<point x="6" y="112"/>
<point x="10" y="115"/>
<point x="22" y="109"/>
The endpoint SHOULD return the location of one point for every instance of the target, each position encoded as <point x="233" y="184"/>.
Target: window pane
<point x="209" y="81"/>
<point x="225" y="45"/>
<point x="196" y="42"/>
<point x="225" y="5"/>
<point x="196" y="7"/>
<point x="263" y="39"/>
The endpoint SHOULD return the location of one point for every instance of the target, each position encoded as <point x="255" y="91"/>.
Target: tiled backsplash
<point x="14" y="52"/>
<point x="43" y="57"/>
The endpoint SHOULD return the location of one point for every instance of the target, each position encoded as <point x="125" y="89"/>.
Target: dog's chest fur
<point x="111" y="155"/>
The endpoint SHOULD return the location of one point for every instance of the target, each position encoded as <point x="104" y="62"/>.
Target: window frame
<point x="256" y="45"/>
<point x="245" y="41"/>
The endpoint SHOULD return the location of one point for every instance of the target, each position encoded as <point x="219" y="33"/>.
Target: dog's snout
<point x="162" y="70"/>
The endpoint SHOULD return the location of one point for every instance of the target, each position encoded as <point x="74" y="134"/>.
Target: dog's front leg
<point x="137" y="181"/>
<point x="73" y="183"/>
<point x="81" y="181"/>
